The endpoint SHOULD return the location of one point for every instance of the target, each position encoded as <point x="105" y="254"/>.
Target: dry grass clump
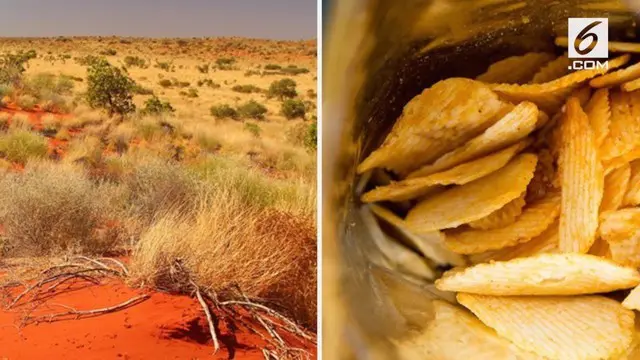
<point x="20" y="145"/>
<point x="52" y="208"/>
<point x="4" y="121"/>
<point x="20" y="122"/>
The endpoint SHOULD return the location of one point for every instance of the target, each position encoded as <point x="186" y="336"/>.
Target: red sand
<point x="162" y="327"/>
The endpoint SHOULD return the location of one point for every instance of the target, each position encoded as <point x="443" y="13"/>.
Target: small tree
<point x="252" y="109"/>
<point x="293" y="108"/>
<point x="155" y="106"/>
<point x="110" y="88"/>
<point x="283" y="89"/>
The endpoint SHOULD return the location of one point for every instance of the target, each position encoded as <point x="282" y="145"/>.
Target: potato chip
<point x="615" y="187"/>
<point x="624" y="129"/>
<point x="550" y="96"/>
<point x="459" y="175"/>
<point x="582" y="181"/>
<point x="515" y="69"/>
<point x="600" y="248"/>
<point x="535" y="219"/>
<point x="555" y="69"/>
<point x="547" y="242"/>
<point x="632" y="301"/>
<point x="456" y="334"/>
<point x="621" y="224"/>
<point x="614" y="46"/>
<point x="625" y="250"/>
<point x="477" y="199"/>
<point x="599" y="112"/>
<point x="631" y="196"/>
<point x="514" y="126"/>
<point x="502" y="217"/>
<point x="430" y="245"/>
<point x="440" y="119"/>
<point x="631" y="85"/>
<point x="544" y="178"/>
<point x="621" y="160"/>
<point x="557" y="327"/>
<point x="542" y="274"/>
<point x="616" y="77"/>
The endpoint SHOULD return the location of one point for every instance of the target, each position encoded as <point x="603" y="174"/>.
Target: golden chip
<point x="459" y="175"/>
<point x="621" y="224"/>
<point x="599" y="112"/>
<point x="632" y="301"/>
<point x="617" y="77"/>
<point x="615" y="187"/>
<point x="557" y="327"/>
<point x="502" y="217"/>
<point x="551" y="95"/>
<point x="547" y="242"/>
<point x="475" y="200"/>
<point x="553" y="70"/>
<point x="582" y="181"/>
<point x="456" y="334"/>
<point x="535" y="219"/>
<point x="430" y="245"/>
<point x="600" y="248"/>
<point x="515" y="69"/>
<point x="440" y="119"/>
<point x="625" y="250"/>
<point x="514" y="126"/>
<point x="622" y="160"/>
<point x="631" y="85"/>
<point x="624" y="129"/>
<point x="542" y="274"/>
<point x="632" y="194"/>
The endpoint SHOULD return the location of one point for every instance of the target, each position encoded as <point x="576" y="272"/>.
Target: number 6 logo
<point x="588" y="38"/>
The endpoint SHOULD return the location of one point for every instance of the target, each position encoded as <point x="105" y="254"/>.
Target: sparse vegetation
<point x="135" y="61"/>
<point x="21" y="145"/>
<point x="246" y="89"/>
<point x="110" y="88"/>
<point x="252" y="109"/>
<point x="293" y="108"/>
<point x="252" y="128"/>
<point x="224" y="111"/>
<point x="155" y="106"/>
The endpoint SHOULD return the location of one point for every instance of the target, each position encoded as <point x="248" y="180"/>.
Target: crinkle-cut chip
<point x="583" y="94"/>
<point x="553" y="70"/>
<point x="632" y="193"/>
<point x="544" y="179"/>
<point x="502" y="217"/>
<point x="626" y="250"/>
<point x="547" y="242"/>
<point x="477" y="199"/>
<point x="632" y="301"/>
<point x="599" y="112"/>
<point x="631" y="85"/>
<point x="459" y="175"/>
<point x="616" y="77"/>
<point x="515" y="69"/>
<point x="513" y="127"/>
<point x="430" y="245"/>
<point x="615" y="187"/>
<point x="456" y="334"/>
<point x="542" y="274"/>
<point x="582" y="180"/>
<point x="440" y="119"/>
<point x="622" y="160"/>
<point x="624" y="129"/>
<point x="535" y="219"/>
<point x="550" y="96"/>
<point x="557" y="327"/>
<point x="614" y="46"/>
<point x="620" y="224"/>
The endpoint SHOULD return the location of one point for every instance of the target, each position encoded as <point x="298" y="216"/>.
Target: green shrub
<point x="293" y="108"/>
<point x="166" y="66"/>
<point x="282" y="89"/>
<point x="225" y="63"/>
<point x="22" y="145"/>
<point x="141" y="90"/>
<point x="108" y="52"/>
<point x="155" y="106"/>
<point x="293" y="70"/>
<point x="88" y="60"/>
<point x="254" y="129"/>
<point x="13" y="66"/>
<point x="252" y="109"/>
<point x="224" y="111"/>
<point x="209" y="83"/>
<point x="204" y="68"/>
<point x="311" y="139"/>
<point x="131" y="61"/>
<point x="110" y="88"/>
<point x="26" y="101"/>
<point x="251" y="73"/>
<point x="165" y="83"/>
<point x="272" y="67"/>
<point x="246" y="89"/>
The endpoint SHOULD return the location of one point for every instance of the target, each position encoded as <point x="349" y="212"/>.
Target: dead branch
<point x="212" y="328"/>
<point x="86" y="313"/>
<point x="120" y="264"/>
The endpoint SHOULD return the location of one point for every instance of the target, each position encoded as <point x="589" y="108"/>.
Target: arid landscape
<point x="157" y="198"/>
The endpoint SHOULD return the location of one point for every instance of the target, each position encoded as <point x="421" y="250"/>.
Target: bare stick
<point x="121" y="265"/>
<point x="212" y="328"/>
<point x="107" y="310"/>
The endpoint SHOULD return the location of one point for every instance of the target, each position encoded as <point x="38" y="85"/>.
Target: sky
<point x="270" y="19"/>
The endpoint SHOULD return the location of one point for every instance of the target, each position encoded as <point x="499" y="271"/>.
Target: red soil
<point x="162" y="327"/>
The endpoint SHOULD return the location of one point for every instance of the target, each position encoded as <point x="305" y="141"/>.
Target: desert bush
<point x="253" y="129"/>
<point x="294" y="71"/>
<point x="86" y="150"/>
<point x="204" y="68"/>
<point x="110" y="88"/>
<point x="190" y="93"/>
<point x="282" y="89"/>
<point x="251" y="73"/>
<point x="51" y="209"/>
<point x="26" y="101"/>
<point x="21" y="145"/>
<point x="209" y="83"/>
<point x="311" y="94"/>
<point x="155" y="106"/>
<point x="43" y="84"/>
<point x="88" y="60"/>
<point x="108" y="52"/>
<point x="311" y="138"/>
<point x="293" y="108"/>
<point x="13" y="66"/>
<point x="181" y="84"/>
<point x="208" y="141"/>
<point x="135" y="61"/>
<point x="165" y="83"/>
<point x="246" y="89"/>
<point x="272" y="67"/>
<point x="166" y="65"/>
<point x="51" y="123"/>
<point x="225" y="63"/>
<point x="20" y="122"/>
<point x="252" y="109"/>
<point x="141" y="90"/>
<point x="224" y="111"/>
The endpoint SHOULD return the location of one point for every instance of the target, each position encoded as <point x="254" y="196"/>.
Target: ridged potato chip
<point x="621" y="224"/>
<point x="535" y="219"/>
<point x="599" y="112"/>
<point x="547" y="242"/>
<point x="625" y="250"/>
<point x="459" y="175"/>
<point x="502" y="217"/>
<point x="477" y="199"/>
<point x="557" y="327"/>
<point x="515" y="69"/>
<point x="624" y="129"/>
<point x="542" y="274"/>
<point x="631" y="85"/>
<point x="632" y="193"/>
<point x="620" y="161"/>
<point x="615" y="187"/>
<point x="430" y="245"/>
<point x="440" y="119"/>
<point x="632" y="301"/>
<point x="513" y="127"/>
<point x="616" y="77"/>
<point x="551" y="95"/>
<point x="555" y="69"/>
<point x="457" y="334"/>
<point x="582" y="180"/>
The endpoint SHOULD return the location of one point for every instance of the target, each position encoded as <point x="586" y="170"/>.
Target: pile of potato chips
<point x="520" y="192"/>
